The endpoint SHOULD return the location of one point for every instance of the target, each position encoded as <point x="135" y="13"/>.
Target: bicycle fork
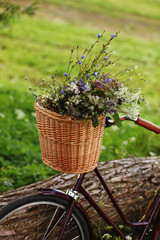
<point x="74" y="194"/>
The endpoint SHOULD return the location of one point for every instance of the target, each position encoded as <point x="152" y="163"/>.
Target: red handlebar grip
<point x="148" y="125"/>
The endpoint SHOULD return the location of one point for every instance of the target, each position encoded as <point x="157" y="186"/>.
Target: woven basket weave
<point x="68" y="145"/>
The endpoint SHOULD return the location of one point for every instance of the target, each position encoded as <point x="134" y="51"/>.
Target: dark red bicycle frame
<point x="79" y="188"/>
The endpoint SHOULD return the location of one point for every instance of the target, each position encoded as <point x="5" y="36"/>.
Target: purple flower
<point x="62" y="91"/>
<point x="79" y="62"/>
<point x="82" y="85"/>
<point x="99" y="84"/>
<point x="95" y="74"/>
<point x="108" y="80"/>
<point x="111" y="112"/>
<point x="82" y="56"/>
<point x="52" y="77"/>
<point x="113" y="36"/>
<point x="99" y="35"/>
<point x="87" y="76"/>
<point x="66" y="74"/>
<point x="105" y="58"/>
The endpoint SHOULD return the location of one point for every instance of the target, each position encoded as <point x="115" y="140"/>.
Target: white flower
<point x="2" y="115"/>
<point x="133" y="112"/>
<point x="20" y="114"/>
<point x="130" y="101"/>
<point x="11" y="97"/>
<point x="103" y="147"/>
<point x="128" y="96"/>
<point x="94" y="99"/>
<point x="74" y="88"/>
<point x="121" y="91"/>
<point x="106" y="236"/>
<point x="33" y="114"/>
<point x="121" y="226"/>
<point x="91" y="107"/>
<point x="128" y="237"/>
<point x="125" y="142"/>
<point x="132" y="139"/>
<point x="88" y="87"/>
<point x="152" y="154"/>
<point x="76" y="99"/>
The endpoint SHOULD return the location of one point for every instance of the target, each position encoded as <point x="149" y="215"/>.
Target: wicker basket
<point x="68" y="145"/>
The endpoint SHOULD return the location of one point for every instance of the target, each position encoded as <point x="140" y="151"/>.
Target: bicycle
<point x="54" y="215"/>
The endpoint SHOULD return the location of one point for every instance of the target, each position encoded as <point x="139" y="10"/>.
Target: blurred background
<point x="35" y="45"/>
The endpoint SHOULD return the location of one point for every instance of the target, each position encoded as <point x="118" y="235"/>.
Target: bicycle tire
<point x="28" y="219"/>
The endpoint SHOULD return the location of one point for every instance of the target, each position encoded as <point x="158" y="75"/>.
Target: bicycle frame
<point x="72" y="195"/>
<point x="73" y="202"/>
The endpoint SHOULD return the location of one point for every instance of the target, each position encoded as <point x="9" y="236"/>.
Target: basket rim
<point x="48" y="112"/>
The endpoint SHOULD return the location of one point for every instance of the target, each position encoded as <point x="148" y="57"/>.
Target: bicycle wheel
<point x="40" y="217"/>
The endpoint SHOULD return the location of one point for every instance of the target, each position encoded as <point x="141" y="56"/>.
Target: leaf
<point x="117" y="119"/>
<point x="95" y="121"/>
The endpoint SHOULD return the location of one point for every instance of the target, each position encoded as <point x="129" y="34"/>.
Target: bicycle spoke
<point x="71" y="230"/>
<point x="46" y="233"/>
<point x="3" y="233"/>
<point x="53" y="224"/>
<point x="34" y="219"/>
<point x="50" y="228"/>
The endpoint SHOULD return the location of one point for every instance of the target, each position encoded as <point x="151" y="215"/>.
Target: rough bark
<point x="133" y="182"/>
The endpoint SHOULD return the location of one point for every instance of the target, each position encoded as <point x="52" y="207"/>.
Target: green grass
<point x="20" y="157"/>
<point x="36" y="47"/>
<point x="21" y="52"/>
<point x="115" y="8"/>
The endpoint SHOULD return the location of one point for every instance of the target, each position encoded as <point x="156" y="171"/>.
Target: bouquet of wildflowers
<point x="91" y="90"/>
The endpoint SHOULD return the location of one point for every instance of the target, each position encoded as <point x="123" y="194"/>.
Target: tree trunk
<point x="133" y="182"/>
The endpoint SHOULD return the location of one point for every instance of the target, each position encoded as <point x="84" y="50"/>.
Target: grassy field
<point x="35" y="47"/>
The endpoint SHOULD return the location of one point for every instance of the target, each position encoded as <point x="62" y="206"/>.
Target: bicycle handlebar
<point x="139" y="121"/>
<point x="148" y="125"/>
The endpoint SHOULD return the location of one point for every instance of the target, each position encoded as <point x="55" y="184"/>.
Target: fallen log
<point x="133" y="182"/>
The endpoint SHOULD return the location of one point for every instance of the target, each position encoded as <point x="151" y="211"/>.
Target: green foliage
<point x="20" y="156"/>
<point x="130" y="233"/>
<point x="129" y="141"/>
<point x="109" y="234"/>
<point x="10" y="11"/>
<point x="117" y="119"/>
